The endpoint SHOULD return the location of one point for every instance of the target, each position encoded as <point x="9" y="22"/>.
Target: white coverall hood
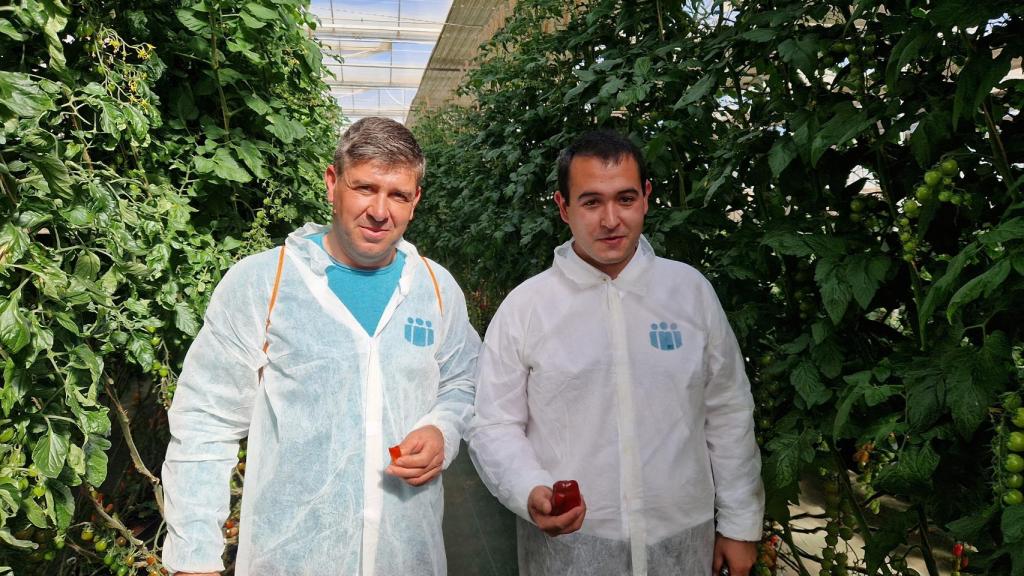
<point x="332" y="400"/>
<point x="634" y="387"/>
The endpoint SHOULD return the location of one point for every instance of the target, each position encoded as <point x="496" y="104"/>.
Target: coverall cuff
<point x="745" y="529"/>
<point x="451" y="436"/>
<point x="520" y="491"/>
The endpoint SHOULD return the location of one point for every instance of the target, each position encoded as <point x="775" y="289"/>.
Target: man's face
<point x="373" y="204"/>
<point x="605" y="210"/>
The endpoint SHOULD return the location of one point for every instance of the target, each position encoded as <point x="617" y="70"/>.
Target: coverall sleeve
<point x="498" y="446"/>
<point x="729" y="429"/>
<point x="456" y="358"/>
<point x="209" y="415"/>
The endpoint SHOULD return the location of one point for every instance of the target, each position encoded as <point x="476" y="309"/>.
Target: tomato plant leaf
<point x="14" y="327"/>
<point x="912" y="470"/>
<point x="49" y="452"/>
<point x="185" y="319"/>
<point x="975" y="81"/>
<point x="807" y="382"/>
<point x="982" y="285"/>
<point x="96" y="460"/>
<point x="1012" y="523"/>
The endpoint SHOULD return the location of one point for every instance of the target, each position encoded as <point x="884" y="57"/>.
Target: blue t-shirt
<point x="365" y="293"/>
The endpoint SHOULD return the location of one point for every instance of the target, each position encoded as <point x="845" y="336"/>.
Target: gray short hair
<point x="382" y="140"/>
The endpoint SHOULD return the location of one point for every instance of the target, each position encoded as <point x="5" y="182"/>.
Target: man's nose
<point x="610" y="216"/>
<point x="378" y="208"/>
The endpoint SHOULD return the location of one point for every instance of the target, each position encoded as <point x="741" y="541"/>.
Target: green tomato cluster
<point x="1012" y="477"/>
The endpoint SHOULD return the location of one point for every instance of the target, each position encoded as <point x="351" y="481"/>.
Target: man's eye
<point x="627" y="199"/>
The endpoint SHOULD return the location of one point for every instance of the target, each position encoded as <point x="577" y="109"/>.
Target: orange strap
<point x="273" y="300"/>
<point x="437" y="289"/>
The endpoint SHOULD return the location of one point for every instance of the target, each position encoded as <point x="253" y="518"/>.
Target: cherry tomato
<point x="1013" y="497"/>
<point x="1014" y="463"/>
<point x="1014" y="481"/>
<point x="949" y="168"/>
<point x="87" y="534"/>
<point x="1015" y="442"/>
<point x="958" y="549"/>
<point x="932" y="178"/>
<point x="565" y="495"/>
<point x="1018" y="419"/>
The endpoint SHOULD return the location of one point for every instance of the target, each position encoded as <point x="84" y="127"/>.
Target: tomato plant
<point x="847" y="174"/>
<point x="144" y="147"/>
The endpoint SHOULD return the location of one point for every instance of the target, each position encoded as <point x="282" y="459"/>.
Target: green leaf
<point x="782" y="153"/>
<point x="923" y="403"/>
<point x="846" y="123"/>
<point x="257" y="104"/>
<point x="96" y="460"/>
<point x="850" y="397"/>
<point x="35" y="514"/>
<point x="968" y="528"/>
<point x="14" y="327"/>
<point x="1013" y="523"/>
<point x="697" y="92"/>
<point x="13" y="244"/>
<point x="286" y="130"/>
<point x="787" y="453"/>
<point x="225" y="166"/>
<point x="54" y="172"/>
<point x="906" y="49"/>
<point x="261" y="12"/>
<point x="911" y="472"/>
<point x="8" y="29"/>
<point x="50" y="452"/>
<point x="943" y="286"/>
<point x="185" y="319"/>
<point x="63" y="504"/>
<point x="20" y="96"/>
<point x="253" y="158"/>
<point x="188" y="18"/>
<point x="891" y="534"/>
<point x="800" y="52"/>
<point x="96" y="421"/>
<point x="835" y="292"/>
<point x="1012" y="229"/>
<point x="76" y="459"/>
<point x="141" y="351"/>
<point x="87" y="266"/>
<point x="828" y="356"/>
<point x="967" y="398"/>
<point x="975" y="82"/>
<point x="865" y="274"/>
<point x="807" y="382"/>
<point x="6" y="536"/>
<point x="982" y="285"/>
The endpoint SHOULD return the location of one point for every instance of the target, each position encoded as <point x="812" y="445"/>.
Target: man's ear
<point x="415" y="201"/>
<point x="647" y="194"/>
<point x="563" y="206"/>
<point x="330" y="179"/>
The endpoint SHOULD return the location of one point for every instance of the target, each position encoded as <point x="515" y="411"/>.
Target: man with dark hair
<point x="618" y="369"/>
<point x="325" y="352"/>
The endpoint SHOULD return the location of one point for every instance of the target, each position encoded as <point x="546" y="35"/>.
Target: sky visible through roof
<point x="385" y="46"/>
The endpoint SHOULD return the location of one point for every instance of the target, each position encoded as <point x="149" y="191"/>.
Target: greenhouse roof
<point x="383" y="46"/>
<point x="469" y="24"/>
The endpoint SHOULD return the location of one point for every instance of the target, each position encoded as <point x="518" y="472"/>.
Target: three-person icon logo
<point x="419" y="332"/>
<point x="665" y="336"/>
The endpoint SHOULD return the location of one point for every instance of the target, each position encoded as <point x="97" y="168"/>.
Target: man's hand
<point x="737" y="555"/>
<point x="197" y="574"/>
<point x="422" y="456"/>
<point x="539" y="506"/>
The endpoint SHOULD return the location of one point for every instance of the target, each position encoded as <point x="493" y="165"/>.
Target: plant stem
<point x="926" y="547"/>
<point x="125" y="424"/>
<point x="858" y="513"/>
<point x="787" y="536"/>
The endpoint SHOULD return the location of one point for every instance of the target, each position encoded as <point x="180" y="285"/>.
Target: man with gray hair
<point x="348" y="360"/>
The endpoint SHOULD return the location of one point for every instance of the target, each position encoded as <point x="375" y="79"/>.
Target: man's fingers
<point x="423" y="479"/>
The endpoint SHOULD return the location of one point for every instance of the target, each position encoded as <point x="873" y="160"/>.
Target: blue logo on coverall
<point x="666" y="336"/>
<point x="419" y="332"/>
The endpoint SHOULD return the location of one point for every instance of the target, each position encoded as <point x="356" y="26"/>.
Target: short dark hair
<point x="379" y="139"/>
<point x="606" y="145"/>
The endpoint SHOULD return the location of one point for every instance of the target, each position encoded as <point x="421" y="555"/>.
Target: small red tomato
<point x="396" y="453"/>
<point x="565" y="496"/>
<point x="958" y="549"/>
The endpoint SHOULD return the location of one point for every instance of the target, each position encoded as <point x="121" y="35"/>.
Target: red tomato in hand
<point x="565" y="496"/>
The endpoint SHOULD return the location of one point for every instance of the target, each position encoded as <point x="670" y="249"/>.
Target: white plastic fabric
<point x="332" y="400"/>
<point x="634" y="387"/>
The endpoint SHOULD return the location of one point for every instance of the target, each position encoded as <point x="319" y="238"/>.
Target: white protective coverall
<point x="634" y="387"/>
<point x="331" y="402"/>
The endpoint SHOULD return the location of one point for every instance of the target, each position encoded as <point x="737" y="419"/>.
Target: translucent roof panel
<point x="382" y="48"/>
